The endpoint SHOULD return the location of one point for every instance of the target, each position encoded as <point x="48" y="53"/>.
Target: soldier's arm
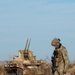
<point x="65" y="58"/>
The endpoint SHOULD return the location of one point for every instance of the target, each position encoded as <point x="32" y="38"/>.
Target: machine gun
<point x="26" y="50"/>
<point x="53" y="60"/>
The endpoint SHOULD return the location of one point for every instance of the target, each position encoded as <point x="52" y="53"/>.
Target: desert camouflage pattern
<point x="62" y="61"/>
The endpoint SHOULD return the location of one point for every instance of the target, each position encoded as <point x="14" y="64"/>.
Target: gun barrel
<point x="26" y="45"/>
<point x="29" y="44"/>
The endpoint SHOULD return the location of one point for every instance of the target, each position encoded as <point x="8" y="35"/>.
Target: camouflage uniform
<point x="62" y="60"/>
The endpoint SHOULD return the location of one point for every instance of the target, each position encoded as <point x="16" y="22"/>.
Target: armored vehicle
<point x="26" y="64"/>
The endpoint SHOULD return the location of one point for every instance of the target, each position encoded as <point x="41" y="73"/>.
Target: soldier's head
<point x="56" y="42"/>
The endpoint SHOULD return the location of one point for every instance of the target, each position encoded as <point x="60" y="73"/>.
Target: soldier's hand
<point x="64" y="71"/>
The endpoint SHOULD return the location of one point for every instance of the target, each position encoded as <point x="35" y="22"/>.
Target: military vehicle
<point x="26" y="64"/>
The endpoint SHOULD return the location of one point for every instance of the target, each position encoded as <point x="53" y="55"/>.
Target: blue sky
<point x="40" y="20"/>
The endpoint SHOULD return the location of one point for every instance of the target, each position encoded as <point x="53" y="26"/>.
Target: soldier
<point x="60" y="60"/>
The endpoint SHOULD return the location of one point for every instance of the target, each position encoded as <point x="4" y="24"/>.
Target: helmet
<point x="55" y="41"/>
